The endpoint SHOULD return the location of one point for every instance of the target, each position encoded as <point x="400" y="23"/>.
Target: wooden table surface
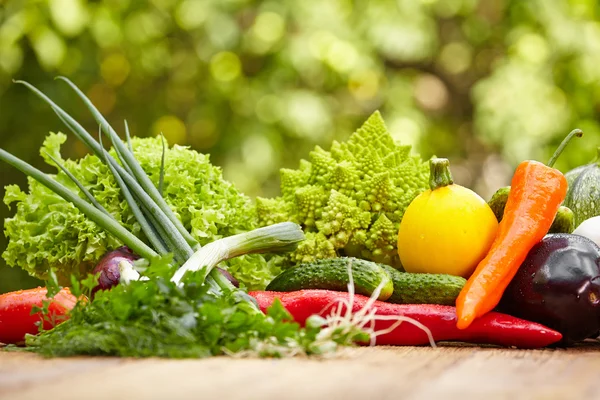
<point x="357" y="373"/>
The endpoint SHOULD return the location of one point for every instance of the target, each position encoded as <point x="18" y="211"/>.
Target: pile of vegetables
<point x="174" y="296"/>
<point x="148" y="251"/>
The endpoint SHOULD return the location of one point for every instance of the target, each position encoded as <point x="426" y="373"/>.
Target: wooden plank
<point x="362" y="373"/>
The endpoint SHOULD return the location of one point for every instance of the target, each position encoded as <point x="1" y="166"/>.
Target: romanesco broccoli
<point x="350" y="200"/>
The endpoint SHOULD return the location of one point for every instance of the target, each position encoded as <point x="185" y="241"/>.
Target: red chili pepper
<point x="16" y="319"/>
<point x="492" y="328"/>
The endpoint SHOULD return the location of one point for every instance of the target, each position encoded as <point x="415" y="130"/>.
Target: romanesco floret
<point x="350" y="200"/>
<point x="315" y="242"/>
<point x="272" y="211"/>
<point x="341" y="217"/>
<point x="381" y="241"/>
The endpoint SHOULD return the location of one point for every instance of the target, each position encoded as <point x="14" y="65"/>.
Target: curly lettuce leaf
<point x="48" y="232"/>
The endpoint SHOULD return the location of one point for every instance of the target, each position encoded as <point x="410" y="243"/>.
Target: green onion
<point x="148" y="230"/>
<point x="158" y="222"/>
<point x="130" y="160"/>
<point x="83" y="189"/>
<point x="128" y="136"/>
<point x="281" y="237"/>
<point x="107" y="223"/>
<point x="133" y="185"/>
<point x="161" y="179"/>
<point x="180" y="248"/>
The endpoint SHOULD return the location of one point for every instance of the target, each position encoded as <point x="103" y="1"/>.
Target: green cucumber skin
<point x="498" y="202"/>
<point x="564" y="222"/>
<point x="412" y="288"/>
<point x="332" y="274"/>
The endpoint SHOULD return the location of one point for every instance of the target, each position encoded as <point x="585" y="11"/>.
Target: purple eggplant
<point x="109" y="268"/>
<point x="558" y="285"/>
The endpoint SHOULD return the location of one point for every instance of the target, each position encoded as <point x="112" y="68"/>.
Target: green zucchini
<point x="332" y="274"/>
<point x="564" y="222"/>
<point x="583" y="196"/>
<point x="575" y="172"/>
<point x="424" y="288"/>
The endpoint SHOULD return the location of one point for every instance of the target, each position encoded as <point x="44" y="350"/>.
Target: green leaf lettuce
<point x="48" y="232"/>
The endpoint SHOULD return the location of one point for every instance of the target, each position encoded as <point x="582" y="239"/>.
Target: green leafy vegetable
<point x="48" y="232"/>
<point x="350" y="200"/>
<point x="159" y="318"/>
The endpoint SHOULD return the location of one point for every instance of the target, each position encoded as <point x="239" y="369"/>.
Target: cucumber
<point x="399" y="287"/>
<point x="564" y="222"/>
<point x="498" y="202"/>
<point x="424" y="288"/>
<point x="332" y="274"/>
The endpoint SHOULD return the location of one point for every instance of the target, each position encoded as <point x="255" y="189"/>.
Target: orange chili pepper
<point x="536" y="193"/>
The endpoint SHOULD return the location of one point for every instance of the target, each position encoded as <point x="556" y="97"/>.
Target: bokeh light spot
<point x="307" y="115"/>
<point x="105" y="29"/>
<point x="114" y="69"/>
<point x="257" y="154"/>
<point x="342" y="56"/>
<point x="405" y="130"/>
<point x="456" y="57"/>
<point x="225" y="66"/>
<point x="430" y="92"/>
<point x="190" y="14"/>
<point x="103" y="97"/>
<point x="364" y="85"/>
<point x="533" y="48"/>
<point x="269" y="27"/>
<point x="172" y="127"/>
<point x="49" y="48"/>
<point x="69" y="16"/>
<point x="268" y="108"/>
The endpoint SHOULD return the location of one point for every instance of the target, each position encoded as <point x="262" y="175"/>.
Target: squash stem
<point x="440" y="174"/>
<point x="563" y="144"/>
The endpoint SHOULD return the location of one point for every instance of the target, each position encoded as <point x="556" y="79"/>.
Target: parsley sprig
<point x="160" y="318"/>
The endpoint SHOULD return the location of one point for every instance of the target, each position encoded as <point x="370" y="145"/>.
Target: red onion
<point x="109" y="269"/>
<point x="229" y="277"/>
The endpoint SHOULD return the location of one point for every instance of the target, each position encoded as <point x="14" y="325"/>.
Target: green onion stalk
<point x="164" y="231"/>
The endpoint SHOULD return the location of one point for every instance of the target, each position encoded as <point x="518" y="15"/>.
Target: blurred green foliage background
<point x="257" y="84"/>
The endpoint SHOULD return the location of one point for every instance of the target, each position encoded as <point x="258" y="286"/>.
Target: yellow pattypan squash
<point x="447" y="229"/>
